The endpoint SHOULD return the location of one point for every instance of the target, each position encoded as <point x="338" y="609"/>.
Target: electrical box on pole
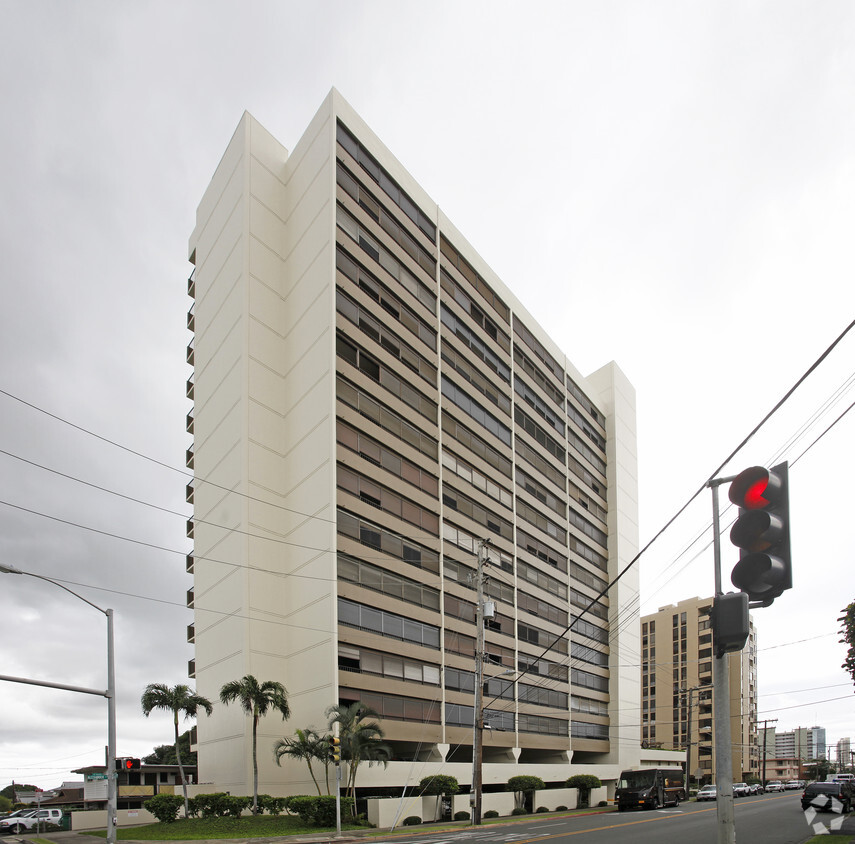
<point x="730" y="623"/>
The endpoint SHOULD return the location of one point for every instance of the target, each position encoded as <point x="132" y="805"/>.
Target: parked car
<point x="793" y="785"/>
<point x="708" y="792"/>
<point x="740" y="789"/>
<point x="10" y="822"/>
<point x="755" y="788"/>
<point x="831" y="796"/>
<point x="774" y="785"/>
<point x="31" y="820"/>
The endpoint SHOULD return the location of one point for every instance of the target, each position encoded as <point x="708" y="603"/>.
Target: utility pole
<point x="478" y="734"/>
<point x="689" y="733"/>
<point x="763" y="767"/>
<point x="721" y="698"/>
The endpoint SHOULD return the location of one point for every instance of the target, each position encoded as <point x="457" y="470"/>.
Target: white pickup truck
<point x="31" y="820"/>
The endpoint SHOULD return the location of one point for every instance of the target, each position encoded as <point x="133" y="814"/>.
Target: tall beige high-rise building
<point x="677" y="708"/>
<point x="371" y="402"/>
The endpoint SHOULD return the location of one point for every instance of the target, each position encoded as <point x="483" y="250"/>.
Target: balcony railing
<point x="191" y="321"/>
<point x="191" y="633"/>
<point x="190" y="421"/>
<point x="188" y="492"/>
<point x="190" y="598"/>
<point x="190" y="528"/>
<point x="189" y="457"/>
<point x="191" y="383"/>
<point x="190" y="349"/>
<point x="191" y="669"/>
<point x="190" y="564"/>
<point x="191" y="285"/>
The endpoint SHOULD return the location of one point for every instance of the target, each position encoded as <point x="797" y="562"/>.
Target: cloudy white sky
<point x="667" y="184"/>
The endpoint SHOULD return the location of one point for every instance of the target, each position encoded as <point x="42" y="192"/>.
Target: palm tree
<point x="176" y="700"/>
<point x="361" y="739"/>
<point x="256" y="699"/>
<point x="306" y="745"/>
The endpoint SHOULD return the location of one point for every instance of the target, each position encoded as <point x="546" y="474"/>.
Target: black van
<point x="828" y="796"/>
<point x="649" y="788"/>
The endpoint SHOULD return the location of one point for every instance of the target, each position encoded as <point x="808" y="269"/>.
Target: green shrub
<point x="233" y="807"/>
<point x="276" y="805"/>
<point x="212" y="805"/>
<point x="412" y="820"/>
<point x="583" y="781"/>
<point x="319" y="811"/>
<point x="461" y="816"/>
<point x="560" y="808"/>
<point x="491" y="813"/>
<point x="164" y="806"/>
<point x="541" y="809"/>
<point x="525" y="783"/>
<point x="602" y="803"/>
<point x="519" y="811"/>
<point x="439" y="784"/>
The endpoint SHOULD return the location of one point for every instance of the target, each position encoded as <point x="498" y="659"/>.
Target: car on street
<point x="828" y="796"/>
<point x="755" y="788"/>
<point x="31" y="821"/>
<point x="14" y="822"/>
<point x="708" y="792"/>
<point x="794" y="785"/>
<point x="740" y="789"/>
<point x="774" y="785"/>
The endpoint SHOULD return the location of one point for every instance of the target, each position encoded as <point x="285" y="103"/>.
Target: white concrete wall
<point x="617" y="396"/>
<point x="97" y="819"/>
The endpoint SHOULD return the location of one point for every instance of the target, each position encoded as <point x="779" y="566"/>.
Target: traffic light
<point x="729" y="620"/>
<point x="126" y="763"/>
<point x="762" y="533"/>
<point x="335" y="749"/>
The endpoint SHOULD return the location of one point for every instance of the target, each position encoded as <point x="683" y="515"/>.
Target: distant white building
<point x="844" y="752"/>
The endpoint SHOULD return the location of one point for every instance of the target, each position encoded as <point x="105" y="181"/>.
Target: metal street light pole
<point x="110" y="694"/>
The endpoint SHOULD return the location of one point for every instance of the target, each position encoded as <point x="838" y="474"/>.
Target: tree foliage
<point x="847" y="631"/>
<point x="309" y="746"/>
<point x="439" y="784"/>
<point x="524" y="782"/>
<point x="361" y="738"/>
<point x="164" y="754"/>
<point x="256" y="699"/>
<point x="178" y="700"/>
<point x="583" y="781"/>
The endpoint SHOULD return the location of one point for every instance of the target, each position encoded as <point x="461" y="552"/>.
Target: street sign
<point x="96" y="776"/>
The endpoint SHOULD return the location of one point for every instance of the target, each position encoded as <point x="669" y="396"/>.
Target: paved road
<point x="765" y="819"/>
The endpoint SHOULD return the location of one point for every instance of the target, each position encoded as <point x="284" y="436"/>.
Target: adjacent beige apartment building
<point x="677" y="708"/>
<point x="370" y="401"/>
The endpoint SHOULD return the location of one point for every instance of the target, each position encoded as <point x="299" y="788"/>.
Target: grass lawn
<point x="263" y="826"/>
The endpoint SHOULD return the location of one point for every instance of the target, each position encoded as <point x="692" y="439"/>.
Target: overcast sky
<point x="667" y="184"/>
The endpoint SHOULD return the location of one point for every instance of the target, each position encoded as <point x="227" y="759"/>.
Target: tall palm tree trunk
<point x="181" y="767"/>
<point x="254" y="764"/>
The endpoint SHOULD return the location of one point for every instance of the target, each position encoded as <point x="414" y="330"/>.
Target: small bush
<point x="412" y="820"/>
<point x="164" y="806"/>
<point x="541" y="809"/>
<point x="519" y="811"/>
<point x="491" y="813"/>
<point x="439" y="784"/>
<point x="461" y="816"/>
<point x="319" y="811"/>
<point x="560" y="808"/>
<point x="233" y="807"/>
<point x="602" y="803"/>
<point x="219" y="805"/>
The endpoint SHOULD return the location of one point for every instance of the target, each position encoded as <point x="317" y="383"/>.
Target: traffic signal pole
<point x="721" y="698"/>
